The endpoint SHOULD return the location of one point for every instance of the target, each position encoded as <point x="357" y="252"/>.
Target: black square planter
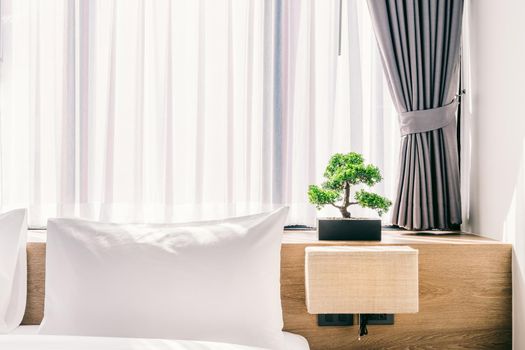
<point x="340" y="229"/>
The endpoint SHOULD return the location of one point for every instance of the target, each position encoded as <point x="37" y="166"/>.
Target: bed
<point x="115" y="329"/>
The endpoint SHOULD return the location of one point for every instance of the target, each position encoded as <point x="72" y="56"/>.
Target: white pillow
<point x="210" y="281"/>
<point x="13" y="269"/>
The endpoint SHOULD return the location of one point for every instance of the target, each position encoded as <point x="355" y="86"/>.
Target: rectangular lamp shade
<point x="364" y="279"/>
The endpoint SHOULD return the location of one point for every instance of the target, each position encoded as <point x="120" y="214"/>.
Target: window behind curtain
<point x="149" y="110"/>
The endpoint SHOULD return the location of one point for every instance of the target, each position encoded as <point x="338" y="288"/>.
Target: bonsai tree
<point x="343" y="172"/>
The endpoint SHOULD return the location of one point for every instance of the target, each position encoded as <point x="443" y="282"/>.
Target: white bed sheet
<point x="27" y="338"/>
<point x="68" y="342"/>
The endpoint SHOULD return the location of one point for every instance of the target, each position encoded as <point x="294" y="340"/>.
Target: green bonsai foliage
<point x="343" y="172"/>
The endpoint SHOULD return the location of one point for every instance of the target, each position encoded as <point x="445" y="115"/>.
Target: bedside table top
<point x="399" y="237"/>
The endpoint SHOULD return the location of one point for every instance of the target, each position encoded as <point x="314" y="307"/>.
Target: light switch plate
<point x="380" y="319"/>
<point x="335" y="320"/>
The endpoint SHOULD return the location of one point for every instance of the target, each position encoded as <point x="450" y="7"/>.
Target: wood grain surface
<point x="465" y="295"/>
<point x="36" y="271"/>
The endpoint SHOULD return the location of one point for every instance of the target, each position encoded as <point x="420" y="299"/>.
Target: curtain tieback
<point x="427" y="119"/>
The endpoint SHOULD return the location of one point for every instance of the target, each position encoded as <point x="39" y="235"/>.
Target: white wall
<point x="496" y="108"/>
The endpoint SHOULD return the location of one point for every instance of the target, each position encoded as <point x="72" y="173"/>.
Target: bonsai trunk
<point x="346" y="202"/>
<point x="345" y="213"/>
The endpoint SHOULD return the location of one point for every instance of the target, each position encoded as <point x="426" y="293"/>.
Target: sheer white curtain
<point x="334" y="103"/>
<point x="151" y="110"/>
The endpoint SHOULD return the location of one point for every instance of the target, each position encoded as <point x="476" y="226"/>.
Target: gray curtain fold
<point x="419" y="42"/>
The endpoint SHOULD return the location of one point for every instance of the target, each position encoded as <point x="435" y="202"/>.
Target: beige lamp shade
<point x="365" y="279"/>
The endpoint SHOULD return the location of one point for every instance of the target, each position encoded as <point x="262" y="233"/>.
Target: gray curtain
<point x="419" y="42"/>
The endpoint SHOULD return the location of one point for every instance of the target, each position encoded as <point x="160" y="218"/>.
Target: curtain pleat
<point x="106" y="211"/>
<point x="139" y="166"/>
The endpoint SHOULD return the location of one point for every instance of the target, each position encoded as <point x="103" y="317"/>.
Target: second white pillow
<point x="13" y="269"/>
